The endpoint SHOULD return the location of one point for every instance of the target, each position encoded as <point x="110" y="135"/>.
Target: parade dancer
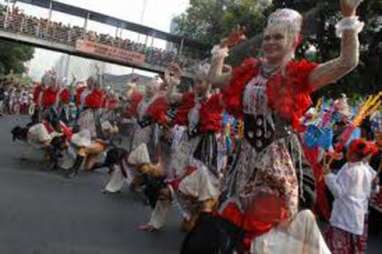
<point x="150" y="111"/>
<point x="90" y="100"/>
<point x="194" y="178"/>
<point x="271" y="94"/>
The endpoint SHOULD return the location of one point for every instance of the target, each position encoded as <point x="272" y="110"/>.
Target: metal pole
<point x="50" y="11"/>
<point x="86" y="25"/>
<point x="6" y="15"/>
<point x="142" y="16"/>
<point x="181" y="47"/>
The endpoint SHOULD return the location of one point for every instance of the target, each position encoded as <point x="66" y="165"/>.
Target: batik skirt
<point x="343" y="242"/>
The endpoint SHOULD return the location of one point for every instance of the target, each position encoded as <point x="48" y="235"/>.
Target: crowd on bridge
<point x="244" y="156"/>
<point x="15" y="20"/>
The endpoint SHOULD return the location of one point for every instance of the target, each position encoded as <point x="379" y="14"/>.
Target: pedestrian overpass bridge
<point x="15" y="25"/>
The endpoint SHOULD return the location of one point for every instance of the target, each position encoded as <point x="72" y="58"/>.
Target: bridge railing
<point x="15" y="21"/>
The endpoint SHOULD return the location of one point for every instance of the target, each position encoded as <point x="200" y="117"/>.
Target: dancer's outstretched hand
<point x="236" y="36"/>
<point x="349" y="7"/>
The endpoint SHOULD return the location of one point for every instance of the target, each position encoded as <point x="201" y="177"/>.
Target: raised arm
<point x="348" y="29"/>
<point x="220" y="74"/>
<point x="172" y="76"/>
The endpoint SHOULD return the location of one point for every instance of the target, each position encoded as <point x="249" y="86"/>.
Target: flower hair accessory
<point x="360" y="148"/>
<point x="286" y="18"/>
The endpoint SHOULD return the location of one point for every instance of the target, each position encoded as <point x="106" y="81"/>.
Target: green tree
<point x="13" y="56"/>
<point x="209" y="20"/>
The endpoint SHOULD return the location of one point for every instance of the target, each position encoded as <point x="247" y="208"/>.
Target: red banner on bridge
<point x="110" y="52"/>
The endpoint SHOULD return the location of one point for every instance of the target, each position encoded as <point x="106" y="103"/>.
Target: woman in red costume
<point x="62" y="102"/>
<point x="149" y="111"/>
<point x="129" y="114"/>
<point x="38" y="91"/>
<point x="193" y="172"/>
<point x="91" y="100"/>
<point x="271" y="94"/>
<point x="151" y="114"/>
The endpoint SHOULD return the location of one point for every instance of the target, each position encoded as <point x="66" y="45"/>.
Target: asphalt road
<point x="41" y="212"/>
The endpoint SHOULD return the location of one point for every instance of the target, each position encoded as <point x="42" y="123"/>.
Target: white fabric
<point x="87" y="121"/>
<point x="38" y="135"/>
<point x="200" y="184"/>
<point x="302" y="236"/>
<point x="139" y="156"/>
<point x="117" y="180"/>
<point x="82" y="138"/>
<point x="349" y="23"/>
<point x="83" y="96"/>
<point x="351" y="188"/>
<point x="194" y="116"/>
<point x="159" y="214"/>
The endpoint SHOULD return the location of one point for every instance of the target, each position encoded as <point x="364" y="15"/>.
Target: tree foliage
<point x="210" y="20"/>
<point x="13" y="56"/>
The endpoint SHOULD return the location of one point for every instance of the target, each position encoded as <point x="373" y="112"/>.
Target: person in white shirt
<point x="351" y="188"/>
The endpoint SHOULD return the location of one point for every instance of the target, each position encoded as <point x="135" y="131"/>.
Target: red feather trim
<point x="49" y="97"/>
<point x="135" y="99"/>
<point x="36" y="94"/>
<point x="232" y="95"/>
<point x="157" y="111"/>
<point x="95" y="99"/>
<point x="289" y="95"/>
<point x="187" y="103"/>
<point x="211" y="114"/>
<point x="65" y="96"/>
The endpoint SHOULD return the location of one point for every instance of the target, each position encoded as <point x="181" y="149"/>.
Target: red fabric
<point x="65" y="96"/>
<point x="287" y="95"/>
<point x="187" y="103"/>
<point x="360" y="148"/>
<point x="78" y="95"/>
<point x="95" y="99"/>
<point x="267" y="212"/>
<point x="38" y="89"/>
<point x="211" y="114"/>
<point x="111" y="102"/>
<point x="157" y="111"/>
<point x="135" y="99"/>
<point x="232" y="95"/>
<point x="66" y="130"/>
<point x="322" y="204"/>
<point x="343" y="242"/>
<point x="49" y="97"/>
